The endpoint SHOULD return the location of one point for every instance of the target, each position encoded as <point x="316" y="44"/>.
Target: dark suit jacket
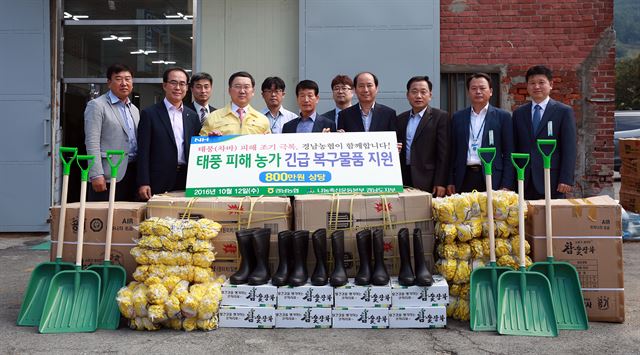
<point x="496" y="120"/>
<point x="383" y="119"/>
<point x="319" y="124"/>
<point x="563" y="160"/>
<point x="193" y="107"/>
<point x="330" y="115"/>
<point x="429" y="149"/>
<point x="157" y="151"/>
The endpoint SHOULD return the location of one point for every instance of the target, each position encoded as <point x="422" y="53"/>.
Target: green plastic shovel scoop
<point x="36" y="293"/>
<point x="484" y="280"/>
<point x="112" y="277"/>
<point x="525" y="304"/>
<point x="565" y="284"/>
<point x="73" y="297"/>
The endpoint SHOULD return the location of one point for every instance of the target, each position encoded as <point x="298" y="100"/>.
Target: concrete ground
<point x="17" y="261"/>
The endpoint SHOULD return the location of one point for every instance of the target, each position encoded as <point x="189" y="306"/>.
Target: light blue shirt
<point x="366" y="119"/>
<point x="276" y="123"/>
<point x="412" y="125"/>
<point x="125" y="113"/>
<point x="306" y="124"/>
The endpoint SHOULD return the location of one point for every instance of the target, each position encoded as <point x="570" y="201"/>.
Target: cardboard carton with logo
<point x="246" y="317"/>
<point x="126" y="219"/>
<point x="303" y="317"/>
<point x="354" y="212"/>
<point x="588" y="234"/>
<point x="233" y="213"/>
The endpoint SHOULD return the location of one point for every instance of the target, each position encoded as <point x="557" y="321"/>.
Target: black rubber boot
<point x="285" y="258"/>
<point x="423" y="276"/>
<point x="363" y="241"/>
<point x="299" y="274"/>
<point x="247" y="257"/>
<point x="261" y="273"/>
<point x="339" y="274"/>
<point x="380" y="276"/>
<point x="405" y="276"/>
<point x="320" y="274"/>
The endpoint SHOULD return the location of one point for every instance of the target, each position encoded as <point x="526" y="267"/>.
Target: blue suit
<point x="499" y="123"/>
<point x="563" y="160"/>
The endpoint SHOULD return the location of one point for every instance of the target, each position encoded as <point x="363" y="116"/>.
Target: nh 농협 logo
<point x="96" y="224"/>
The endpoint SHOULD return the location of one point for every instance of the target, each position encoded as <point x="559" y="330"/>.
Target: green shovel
<point x="36" y="292"/>
<point x="112" y="277"/>
<point x="565" y="284"/>
<point x="484" y="280"/>
<point x="73" y="297"/>
<point x="525" y="304"/>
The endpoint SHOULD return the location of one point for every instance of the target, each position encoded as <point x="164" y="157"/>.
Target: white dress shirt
<point x="476" y="130"/>
<point x="175" y="115"/>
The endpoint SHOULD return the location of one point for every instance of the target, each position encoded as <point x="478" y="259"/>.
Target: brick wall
<point x="574" y="38"/>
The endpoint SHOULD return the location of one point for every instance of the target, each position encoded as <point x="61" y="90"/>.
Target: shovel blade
<point x="525" y="305"/>
<point x="482" y="300"/>
<point x="567" y="295"/>
<point x="36" y="292"/>
<point x="112" y="278"/>
<point x="72" y="303"/>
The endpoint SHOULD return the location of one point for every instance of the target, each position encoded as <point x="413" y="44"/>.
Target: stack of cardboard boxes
<point x="630" y="174"/>
<point x="588" y="234"/>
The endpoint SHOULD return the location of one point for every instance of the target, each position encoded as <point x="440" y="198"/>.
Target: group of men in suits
<point x="437" y="154"/>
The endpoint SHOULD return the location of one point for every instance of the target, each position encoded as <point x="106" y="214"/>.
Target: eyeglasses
<point x="338" y="88"/>
<point x="175" y="83"/>
<point x="241" y="87"/>
<point x="276" y="91"/>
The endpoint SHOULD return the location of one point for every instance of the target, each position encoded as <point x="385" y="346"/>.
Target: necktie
<point x="203" y="114"/>
<point x="240" y="112"/>
<point x="536" y="118"/>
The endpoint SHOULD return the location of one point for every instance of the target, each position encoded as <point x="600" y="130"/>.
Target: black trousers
<point x="181" y="178"/>
<point x="126" y="189"/>
<point x="473" y="179"/>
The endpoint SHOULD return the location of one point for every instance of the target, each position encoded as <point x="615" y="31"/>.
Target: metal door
<point x="25" y="109"/>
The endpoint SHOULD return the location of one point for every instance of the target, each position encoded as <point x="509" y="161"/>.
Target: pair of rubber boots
<point x="253" y="245"/>
<point x="377" y="274"/>
<point x="406" y="276"/>
<point x="292" y="254"/>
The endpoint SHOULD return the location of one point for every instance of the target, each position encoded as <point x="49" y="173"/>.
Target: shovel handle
<point x="487" y="163"/>
<point x="546" y="158"/>
<point x="520" y="169"/>
<point x="84" y="172"/>
<point x="112" y="198"/>
<point x="547" y="191"/>
<point x="66" y="163"/>
<point x="115" y="165"/>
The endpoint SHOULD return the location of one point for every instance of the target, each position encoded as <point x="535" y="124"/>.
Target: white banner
<point x="293" y="164"/>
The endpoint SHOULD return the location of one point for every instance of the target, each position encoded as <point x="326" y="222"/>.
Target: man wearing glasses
<point x="342" y="88"/>
<point x="273" y="94"/>
<point x="237" y="117"/>
<point x="164" y="136"/>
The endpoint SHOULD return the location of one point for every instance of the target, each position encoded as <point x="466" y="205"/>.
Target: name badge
<point x="474" y="146"/>
<point x="550" y="129"/>
<point x="491" y="137"/>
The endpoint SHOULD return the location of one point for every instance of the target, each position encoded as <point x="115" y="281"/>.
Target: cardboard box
<point x="418" y="296"/>
<point x="303" y="317"/>
<point x="418" y="317"/>
<point x="630" y="201"/>
<point x="630" y="184"/>
<point x="352" y="213"/>
<point x="588" y="234"/>
<point x="352" y="295"/>
<point x="629" y="148"/>
<point x="126" y="218"/>
<point x="249" y="296"/>
<point x="233" y="213"/>
<point x="356" y="317"/>
<point x="246" y="317"/>
<point x="305" y="296"/>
